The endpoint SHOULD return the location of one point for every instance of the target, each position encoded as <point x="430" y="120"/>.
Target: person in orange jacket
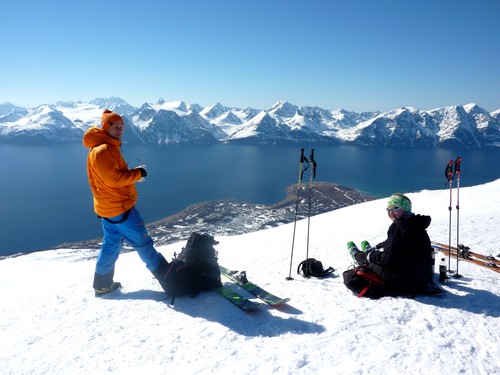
<point x="113" y="187"/>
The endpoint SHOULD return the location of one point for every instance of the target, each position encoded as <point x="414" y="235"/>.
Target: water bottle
<point x="442" y="271"/>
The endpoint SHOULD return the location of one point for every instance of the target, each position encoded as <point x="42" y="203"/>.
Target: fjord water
<point x="45" y="199"/>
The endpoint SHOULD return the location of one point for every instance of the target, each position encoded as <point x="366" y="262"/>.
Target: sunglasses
<point x="393" y="209"/>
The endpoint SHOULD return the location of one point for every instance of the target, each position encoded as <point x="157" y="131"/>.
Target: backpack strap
<point x="328" y="271"/>
<point x="371" y="277"/>
<point x="300" y="266"/>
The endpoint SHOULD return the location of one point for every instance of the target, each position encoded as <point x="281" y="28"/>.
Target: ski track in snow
<point x="51" y="323"/>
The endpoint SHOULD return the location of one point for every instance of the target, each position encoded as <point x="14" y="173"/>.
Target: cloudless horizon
<point x="359" y="55"/>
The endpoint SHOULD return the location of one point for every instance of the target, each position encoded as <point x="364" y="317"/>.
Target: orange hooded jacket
<point x="111" y="182"/>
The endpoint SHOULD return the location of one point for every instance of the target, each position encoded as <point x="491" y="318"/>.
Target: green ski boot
<point x="365" y="246"/>
<point x="353" y="249"/>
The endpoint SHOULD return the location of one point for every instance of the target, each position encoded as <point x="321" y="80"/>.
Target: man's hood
<point x="96" y="136"/>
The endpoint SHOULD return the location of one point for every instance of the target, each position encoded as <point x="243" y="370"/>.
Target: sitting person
<point x="401" y="265"/>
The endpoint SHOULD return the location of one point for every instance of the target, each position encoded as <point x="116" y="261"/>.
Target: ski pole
<point x="449" y="175"/>
<point x="458" y="162"/>
<point x="312" y="174"/>
<point x="303" y="160"/>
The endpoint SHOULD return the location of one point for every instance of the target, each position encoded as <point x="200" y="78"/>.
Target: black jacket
<point x="406" y="263"/>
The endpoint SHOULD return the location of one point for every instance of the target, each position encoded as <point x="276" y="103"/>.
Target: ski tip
<point x="256" y="307"/>
<point x="281" y="302"/>
<point x="251" y="306"/>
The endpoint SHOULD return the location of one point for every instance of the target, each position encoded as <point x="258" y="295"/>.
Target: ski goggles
<point x="393" y="209"/>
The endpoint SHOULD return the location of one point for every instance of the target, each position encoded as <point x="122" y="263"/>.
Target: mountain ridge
<point x="177" y="122"/>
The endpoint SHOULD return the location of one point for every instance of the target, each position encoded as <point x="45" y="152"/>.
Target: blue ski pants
<point x="116" y="230"/>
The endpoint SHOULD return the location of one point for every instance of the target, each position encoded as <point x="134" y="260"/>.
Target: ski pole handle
<point x="302" y="156"/>
<point x="448" y="173"/>
<point x="313" y="162"/>
<point x="303" y="160"/>
<point x="458" y="161"/>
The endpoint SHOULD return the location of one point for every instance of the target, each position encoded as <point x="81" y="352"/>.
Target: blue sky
<point x="359" y="55"/>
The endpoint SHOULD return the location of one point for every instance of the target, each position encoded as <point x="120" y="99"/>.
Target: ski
<point x="464" y="253"/>
<point x="238" y="300"/>
<point x="241" y="279"/>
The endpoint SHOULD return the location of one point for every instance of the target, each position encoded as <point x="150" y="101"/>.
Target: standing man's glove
<point x="144" y="172"/>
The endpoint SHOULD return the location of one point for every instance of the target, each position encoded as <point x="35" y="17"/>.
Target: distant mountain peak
<point x="283" y="109"/>
<point x="214" y="111"/>
<point x="175" y="104"/>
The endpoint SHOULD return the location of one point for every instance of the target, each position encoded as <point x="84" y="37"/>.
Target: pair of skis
<point x="312" y="174"/>
<point x="239" y="278"/>
<point x="453" y="169"/>
<point x="463" y="253"/>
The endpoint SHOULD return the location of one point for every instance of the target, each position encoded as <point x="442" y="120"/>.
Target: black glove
<point x="144" y="173"/>
<point x="370" y="252"/>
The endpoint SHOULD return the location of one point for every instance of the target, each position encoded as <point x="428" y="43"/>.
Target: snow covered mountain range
<point x="176" y="122"/>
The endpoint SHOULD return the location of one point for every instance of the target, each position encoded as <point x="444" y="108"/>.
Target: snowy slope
<point x="51" y="323"/>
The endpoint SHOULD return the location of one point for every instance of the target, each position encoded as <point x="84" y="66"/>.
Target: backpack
<point x="200" y="257"/>
<point x="364" y="282"/>
<point x="312" y="267"/>
<point x="177" y="279"/>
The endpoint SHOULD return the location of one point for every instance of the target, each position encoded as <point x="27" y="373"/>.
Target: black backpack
<point x="199" y="258"/>
<point x="312" y="267"/>
<point x="177" y="279"/>
<point x="364" y="282"/>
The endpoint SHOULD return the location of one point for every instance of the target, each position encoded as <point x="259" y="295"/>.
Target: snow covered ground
<point x="51" y="323"/>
